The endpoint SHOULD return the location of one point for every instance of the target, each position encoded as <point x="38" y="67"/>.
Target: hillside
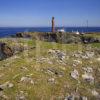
<point x="40" y="70"/>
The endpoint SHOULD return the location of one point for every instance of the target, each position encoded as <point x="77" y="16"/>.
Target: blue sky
<point x="39" y="12"/>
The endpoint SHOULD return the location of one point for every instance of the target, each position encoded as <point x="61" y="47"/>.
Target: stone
<point x="74" y="65"/>
<point x="98" y="59"/>
<point x="21" y="96"/>
<point x="24" y="69"/>
<point x="71" y="97"/>
<point x="90" y="54"/>
<point x="54" y="72"/>
<point x="5" y="51"/>
<point x="75" y="74"/>
<point x="61" y="55"/>
<point x="27" y="79"/>
<point x="51" y="80"/>
<point x="95" y="93"/>
<point x="42" y="59"/>
<point x="49" y="62"/>
<point x="57" y="54"/>
<point x="88" y="70"/>
<point x="6" y="85"/>
<point x="84" y="98"/>
<point x="10" y="85"/>
<point x="84" y="57"/>
<point x="88" y="77"/>
<point x="3" y="96"/>
<point x="77" y="62"/>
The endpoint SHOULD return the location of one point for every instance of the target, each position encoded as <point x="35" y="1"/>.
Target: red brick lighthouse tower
<point x="53" y="25"/>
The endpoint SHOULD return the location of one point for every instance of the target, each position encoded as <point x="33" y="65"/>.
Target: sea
<point x="8" y="31"/>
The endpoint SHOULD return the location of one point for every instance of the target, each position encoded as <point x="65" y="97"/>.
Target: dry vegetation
<point x="50" y="71"/>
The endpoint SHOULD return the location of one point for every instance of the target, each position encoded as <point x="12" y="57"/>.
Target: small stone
<point x="10" y="85"/>
<point x="74" y="65"/>
<point x="90" y="54"/>
<point x="21" y="96"/>
<point x="57" y="54"/>
<point x="6" y="85"/>
<point x="32" y="82"/>
<point x="51" y="80"/>
<point x="27" y="80"/>
<point x="24" y="68"/>
<point x="88" y="77"/>
<point x="3" y="97"/>
<point x="83" y="98"/>
<point x="75" y="74"/>
<point x="78" y="62"/>
<point x="71" y="97"/>
<point x="49" y="62"/>
<point x="98" y="59"/>
<point x="95" y="93"/>
<point x="88" y="70"/>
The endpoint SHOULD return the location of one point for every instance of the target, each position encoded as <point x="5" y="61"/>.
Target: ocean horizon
<point x="8" y="31"/>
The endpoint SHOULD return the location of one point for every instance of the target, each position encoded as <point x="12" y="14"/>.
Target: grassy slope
<point x="12" y="71"/>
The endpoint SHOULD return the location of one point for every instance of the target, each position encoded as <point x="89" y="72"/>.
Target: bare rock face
<point x="5" y="51"/>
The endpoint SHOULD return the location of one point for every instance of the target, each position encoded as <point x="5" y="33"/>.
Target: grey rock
<point x="27" y="80"/>
<point x="75" y="74"/>
<point x="7" y="85"/>
<point x="51" y="80"/>
<point x="83" y="98"/>
<point x="54" y="72"/>
<point x="57" y="54"/>
<point x="95" y="93"/>
<point x="88" y="77"/>
<point x="21" y="96"/>
<point x="3" y="96"/>
<point x="88" y="70"/>
<point x="71" y="97"/>
<point x="5" y="51"/>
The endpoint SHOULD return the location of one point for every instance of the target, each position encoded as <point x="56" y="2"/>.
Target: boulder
<point x="5" y="51"/>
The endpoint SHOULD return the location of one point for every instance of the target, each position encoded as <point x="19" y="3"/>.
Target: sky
<point x="37" y="13"/>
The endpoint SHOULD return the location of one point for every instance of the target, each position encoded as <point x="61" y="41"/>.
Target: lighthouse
<point x="53" y="25"/>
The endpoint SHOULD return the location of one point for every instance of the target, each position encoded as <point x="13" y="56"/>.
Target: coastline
<point x="6" y="31"/>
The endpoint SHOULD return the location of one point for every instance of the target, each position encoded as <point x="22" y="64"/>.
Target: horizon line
<point x="42" y="26"/>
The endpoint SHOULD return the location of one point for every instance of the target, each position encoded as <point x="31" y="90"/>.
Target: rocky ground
<point x="39" y="70"/>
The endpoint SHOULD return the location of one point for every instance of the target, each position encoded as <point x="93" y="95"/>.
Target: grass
<point x="42" y="89"/>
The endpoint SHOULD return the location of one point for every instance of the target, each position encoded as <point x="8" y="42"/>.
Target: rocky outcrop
<point x="23" y="35"/>
<point x="19" y="35"/>
<point x="90" y="39"/>
<point x="59" y="37"/>
<point x="5" y="51"/>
